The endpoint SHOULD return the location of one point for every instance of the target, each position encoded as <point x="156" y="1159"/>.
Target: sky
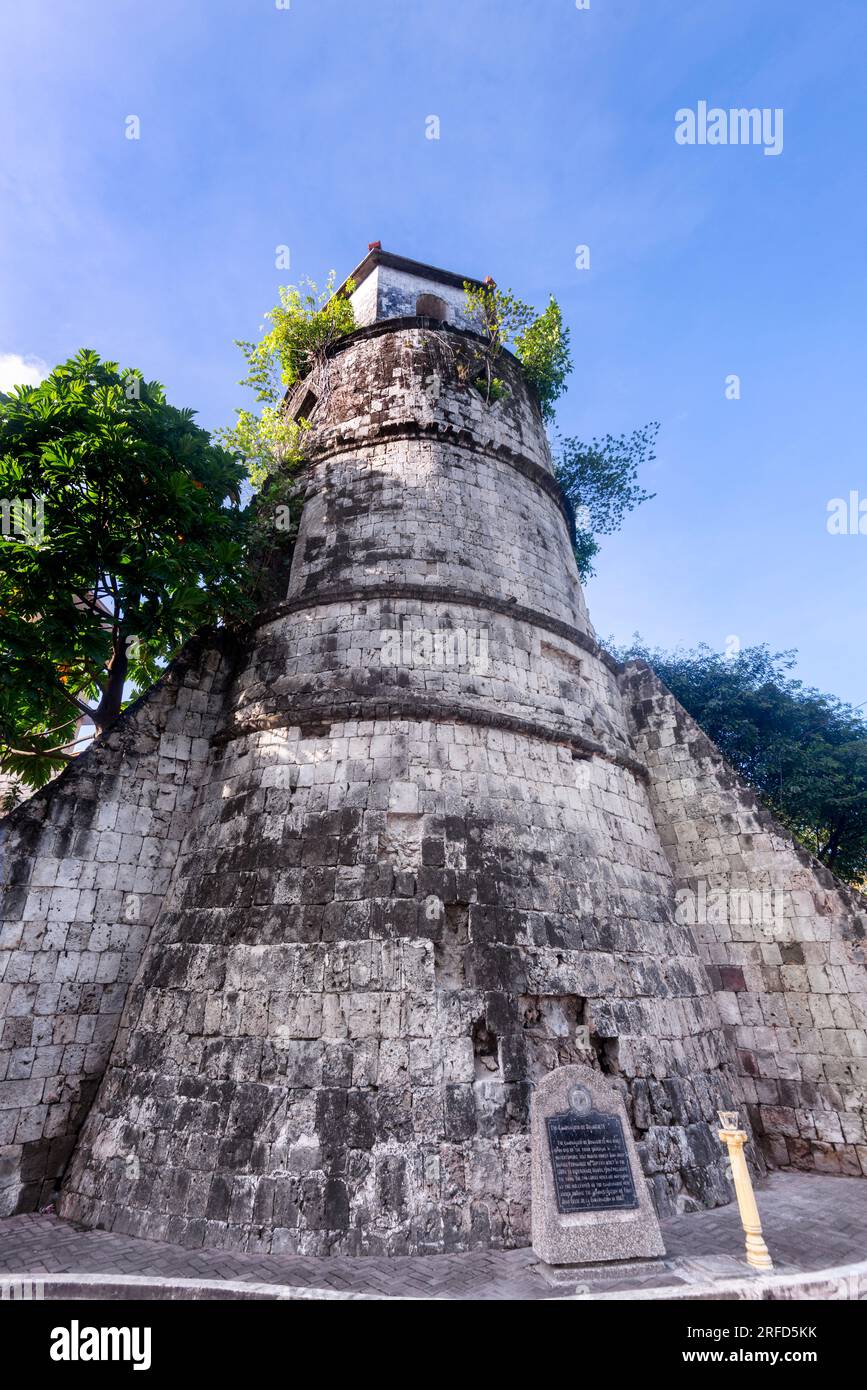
<point x="264" y="124"/>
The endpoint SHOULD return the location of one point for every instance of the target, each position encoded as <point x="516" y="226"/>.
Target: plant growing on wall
<point x="541" y="343"/>
<point x="542" y="348"/>
<point x="599" y="478"/>
<point x="300" y="330"/>
<point x="303" y="326"/>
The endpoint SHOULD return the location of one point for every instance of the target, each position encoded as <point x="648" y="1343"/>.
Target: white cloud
<point x="16" y="370"/>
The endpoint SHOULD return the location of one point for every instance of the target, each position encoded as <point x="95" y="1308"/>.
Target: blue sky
<point x="306" y="127"/>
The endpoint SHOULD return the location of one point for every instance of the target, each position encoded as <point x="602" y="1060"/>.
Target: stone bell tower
<point x="286" y="952"/>
<point x="423" y="868"/>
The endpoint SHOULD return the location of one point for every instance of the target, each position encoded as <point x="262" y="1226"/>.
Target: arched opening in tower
<point x="430" y="306"/>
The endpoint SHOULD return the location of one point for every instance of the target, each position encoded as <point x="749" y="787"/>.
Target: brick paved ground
<point x="811" y="1222"/>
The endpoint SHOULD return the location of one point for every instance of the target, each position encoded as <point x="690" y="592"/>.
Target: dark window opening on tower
<point x="307" y="406"/>
<point x="430" y="306"/>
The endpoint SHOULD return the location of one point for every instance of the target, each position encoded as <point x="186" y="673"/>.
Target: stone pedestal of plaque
<point x="590" y="1199"/>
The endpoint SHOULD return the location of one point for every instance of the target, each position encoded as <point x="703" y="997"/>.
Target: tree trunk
<point x="832" y="849"/>
<point x="109" y="706"/>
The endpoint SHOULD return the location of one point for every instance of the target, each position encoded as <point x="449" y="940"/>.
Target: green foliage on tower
<point x="542" y="348"/>
<point x="303" y="325"/>
<point x="540" y="342"/>
<point x="601" y="481"/>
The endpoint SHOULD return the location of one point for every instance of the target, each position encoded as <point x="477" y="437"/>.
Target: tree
<point x="803" y="752"/>
<point x="139" y="542"/>
<point x="600" y="480"/>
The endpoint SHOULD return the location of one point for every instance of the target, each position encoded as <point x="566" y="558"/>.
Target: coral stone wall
<point x="783" y="940"/>
<point x="381" y="935"/>
<point x="417" y="876"/>
<point x="85" y="865"/>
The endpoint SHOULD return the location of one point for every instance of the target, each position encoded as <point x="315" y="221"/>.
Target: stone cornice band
<point x="439" y="593"/>
<point x="314" y="718"/>
<point x="439" y="433"/>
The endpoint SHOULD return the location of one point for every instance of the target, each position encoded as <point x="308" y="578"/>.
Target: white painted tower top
<point x="392" y="287"/>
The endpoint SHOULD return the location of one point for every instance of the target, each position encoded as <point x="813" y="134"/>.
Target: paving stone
<point x="810" y="1222"/>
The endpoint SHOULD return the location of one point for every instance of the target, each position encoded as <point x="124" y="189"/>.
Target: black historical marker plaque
<point x="590" y="1162"/>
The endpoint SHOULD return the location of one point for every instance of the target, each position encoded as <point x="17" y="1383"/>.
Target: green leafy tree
<point x="805" y="753"/>
<point x="140" y="542"/>
<point x="601" y="481"/>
